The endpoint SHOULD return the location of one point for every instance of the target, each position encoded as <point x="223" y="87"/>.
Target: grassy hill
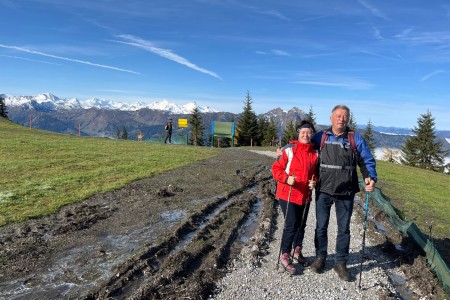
<point x="42" y="171"/>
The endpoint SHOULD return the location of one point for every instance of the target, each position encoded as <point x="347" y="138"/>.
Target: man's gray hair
<point x="341" y="106"/>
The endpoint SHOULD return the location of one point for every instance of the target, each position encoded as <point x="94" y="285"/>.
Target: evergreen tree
<point x="124" y="133"/>
<point x="289" y="133"/>
<point x="270" y="134"/>
<point x="196" y="127"/>
<point x="352" y="122"/>
<point x="368" y="136"/>
<point x="262" y="127"/>
<point x="247" y="126"/>
<point x="3" y="112"/>
<point x="421" y="150"/>
<point x="311" y="117"/>
<point x="118" y="133"/>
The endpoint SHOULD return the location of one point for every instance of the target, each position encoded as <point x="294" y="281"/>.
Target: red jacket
<point x="299" y="160"/>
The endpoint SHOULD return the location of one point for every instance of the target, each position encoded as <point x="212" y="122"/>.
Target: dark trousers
<point x="293" y="234"/>
<point x="344" y="209"/>
<point x="168" y="137"/>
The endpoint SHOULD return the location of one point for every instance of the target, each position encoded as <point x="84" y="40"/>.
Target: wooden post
<point x="31" y="118"/>
<point x="251" y="142"/>
<point x="79" y="129"/>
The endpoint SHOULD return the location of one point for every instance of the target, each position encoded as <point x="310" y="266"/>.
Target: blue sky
<point x="389" y="61"/>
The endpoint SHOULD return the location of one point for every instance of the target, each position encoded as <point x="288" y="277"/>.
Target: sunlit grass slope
<point x="422" y="196"/>
<point x="41" y="171"/>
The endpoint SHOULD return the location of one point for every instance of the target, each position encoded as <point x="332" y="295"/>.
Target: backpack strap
<point x="350" y="136"/>
<point x="324" y="138"/>
<point x="351" y="139"/>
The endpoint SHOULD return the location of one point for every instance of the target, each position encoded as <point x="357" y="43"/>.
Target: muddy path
<point x="178" y="229"/>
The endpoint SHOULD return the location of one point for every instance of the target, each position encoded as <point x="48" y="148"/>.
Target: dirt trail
<point x="138" y="240"/>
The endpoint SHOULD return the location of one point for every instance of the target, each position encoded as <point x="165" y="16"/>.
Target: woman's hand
<point x="290" y="180"/>
<point x="311" y="184"/>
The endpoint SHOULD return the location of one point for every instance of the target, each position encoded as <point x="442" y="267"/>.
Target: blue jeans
<point x="294" y="230"/>
<point x="344" y="209"/>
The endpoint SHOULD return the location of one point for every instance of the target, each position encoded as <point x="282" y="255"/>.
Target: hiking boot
<point x="299" y="256"/>
<point x="286" y="263"/>
<point x="341" y="270"/>
<point x="318" y="265"/>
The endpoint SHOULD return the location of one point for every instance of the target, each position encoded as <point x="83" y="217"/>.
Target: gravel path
<point x="249" y="281"/>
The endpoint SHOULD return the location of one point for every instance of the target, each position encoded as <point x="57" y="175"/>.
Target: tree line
<point x="421" y="150"/>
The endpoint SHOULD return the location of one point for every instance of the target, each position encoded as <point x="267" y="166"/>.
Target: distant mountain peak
<point x="49" y="102"/>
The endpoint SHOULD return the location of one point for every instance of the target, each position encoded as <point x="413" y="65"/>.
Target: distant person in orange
<point x="140" y="136"/>
<point x="168" y="128"/>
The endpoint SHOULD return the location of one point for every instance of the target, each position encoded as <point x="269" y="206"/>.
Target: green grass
<point x="42" y="171"/>
<point x="421" y="195"/>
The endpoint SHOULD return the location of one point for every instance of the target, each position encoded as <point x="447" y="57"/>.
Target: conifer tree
<point x="421" y="150"/>
<point x="118" y="133"/>
<point x="368" y="136"/>
<point x="270" y="134"/>
<point x="311" y="116"/>
<point x="262" y="127"/>
<point x="352" y="122"/>
<point x="289" y="132"/>
<point x="124" y="133"/>
<point x="247" y="125"/>
<point x="3" y="111"/>
<point x="196" y="127"/>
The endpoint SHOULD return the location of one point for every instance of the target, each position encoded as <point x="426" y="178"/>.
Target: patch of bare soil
<point x="166" y="237"/>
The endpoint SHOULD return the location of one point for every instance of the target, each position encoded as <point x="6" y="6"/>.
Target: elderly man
<point x="338" y="184"/>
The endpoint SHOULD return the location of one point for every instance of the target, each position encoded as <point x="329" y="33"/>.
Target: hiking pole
<point x="304" y="215"/>
<point x="284" y="226"/>
<point x="364" y="236"/>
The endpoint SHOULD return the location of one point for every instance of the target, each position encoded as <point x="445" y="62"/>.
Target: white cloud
<point x="27" y="59"/>
<point x="166" y="53"/>
<point x="66" y="58"/>
<point x="334" y="81"/>
<point x="376" y="12"/>
<point x="434" y="73"/>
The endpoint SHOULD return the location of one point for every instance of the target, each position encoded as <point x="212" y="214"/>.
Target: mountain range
<point x="50" y="102"/>
<point x="101" y="117"/>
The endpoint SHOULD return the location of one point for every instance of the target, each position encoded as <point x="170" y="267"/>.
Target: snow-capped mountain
<point x="50" y="102"/>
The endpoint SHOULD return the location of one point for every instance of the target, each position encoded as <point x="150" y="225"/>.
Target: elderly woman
<point x="295" y="170"/>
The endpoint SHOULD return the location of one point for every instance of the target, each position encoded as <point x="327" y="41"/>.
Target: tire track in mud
<point x="189" y="262"/>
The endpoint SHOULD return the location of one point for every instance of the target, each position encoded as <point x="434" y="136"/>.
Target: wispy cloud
<point x="66" y="58"/>
<point x="379" y="55"/>
<point x="376" y="32"/>
<point x="424" y="38"/>
<point x="432" y="74"/>
<point x="273" y="13"/>
<point x="375" y="11"/>
<point x="27" y="59"/>
<point x="166" y="53"/>
<point x="280" y="52"/>
<point x="274" y="52"/>
<point x="334" y="81"/>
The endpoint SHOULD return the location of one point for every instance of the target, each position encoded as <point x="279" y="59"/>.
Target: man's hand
<point x="370" y="184"/>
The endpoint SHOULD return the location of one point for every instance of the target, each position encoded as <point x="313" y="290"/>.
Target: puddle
<point x="249" y="227"/>
<point x="78" y="270"/>
<point x="399" y="283"/>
